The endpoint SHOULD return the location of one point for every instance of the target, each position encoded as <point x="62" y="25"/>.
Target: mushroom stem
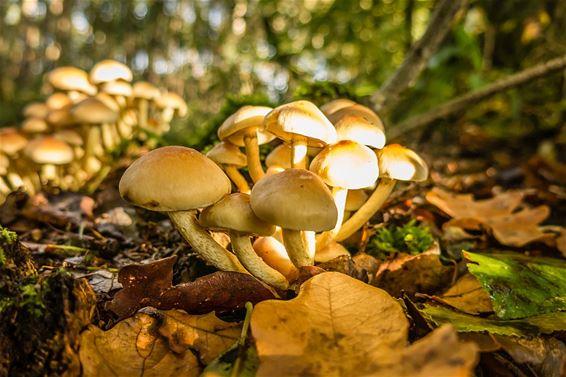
<point x="143" y="111"/>
<point x="339" y="194"/>
<point x="188" y="226"/>
<point x="242" y="246"/>
<point x="238" y="179"/>
<point x="367" y="210"/>
<point x="295" y="244"/>
<point x="252" y="152"/>
<point x="299" y="158"/>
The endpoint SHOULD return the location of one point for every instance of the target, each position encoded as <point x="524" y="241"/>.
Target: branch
<point x="417" y="57"/>
<point x="462" y="102"/>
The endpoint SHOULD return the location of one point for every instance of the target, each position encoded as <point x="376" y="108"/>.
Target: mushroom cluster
<point x="329" y="172"/>
<point x="88" y="120"/>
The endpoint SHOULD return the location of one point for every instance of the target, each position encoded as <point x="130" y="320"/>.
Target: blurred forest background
<point x="215" y="52"/>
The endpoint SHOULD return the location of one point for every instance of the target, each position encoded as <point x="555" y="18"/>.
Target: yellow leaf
<point x="339" y="326"/>
<point x="156" y="343"/>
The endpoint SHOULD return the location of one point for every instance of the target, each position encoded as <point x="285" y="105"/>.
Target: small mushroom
<point x="50" y="153"/>
<point x="273" y="252"/>
<point x="229" y="157"/>
<point x="36" y="110"/>
<point x="297" y="200"/>
<point x="234" y="214"/>
<point x="300" y="124"/>
<point x="171" y="104"/>
<point x="245" y="128"/>
<point x="178" y="181"/>
<point x="335" y="105"/>
<point x="143" y="93"/>
<point x="396" y="163"/>
<point x="71" y="79"/>
<point x="109" y="70"/>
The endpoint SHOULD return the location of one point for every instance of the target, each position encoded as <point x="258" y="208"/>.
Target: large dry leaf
<point x="339" y="326"/>
<point x="467" y="295"/>
<point x="156" y="343"/>
<point x="509" y="227"/>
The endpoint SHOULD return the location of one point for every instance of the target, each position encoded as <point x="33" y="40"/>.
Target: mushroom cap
<point x="117" y="88"/>
<point x="274" y="254"/>
<point x="401" y="163"/>
<point x="280" y="157"/>
<point x="312" y="205"/>
<point x="62" y="117"/>
<point x="36" y="110"/>
<point x="58" y="101"/>
<point x="70" y="137"/>
<point x="93" y="110"/>
<point x="233" y="212"/>
<point x="246" y="121"/>
<point x="359" y="110"/>
<point x="109" y="70"/>
<point x="355" y="199"/>
<point x="108" y="100"/>
<point x="49" y="150"/>
<point x="145" y="90"/>
<point x="174" y="178"/>
<point x="34" y="125"/>
<point x="11" y="141"/>
<point x="225" y="153"/>
<point x="346" y="164"/>
<point x="335" y="105"/>
<point x="359" y="129"/>
<point x="301" y="118"/>
<point x="71" y="78"/>
<point x="172" y="100"/>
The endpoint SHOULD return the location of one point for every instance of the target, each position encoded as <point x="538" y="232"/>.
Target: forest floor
<point x="95" y="286"/>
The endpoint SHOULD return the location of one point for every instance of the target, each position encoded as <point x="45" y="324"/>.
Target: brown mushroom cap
<point x="109" y="70"/>
<point x="294" y="199"/>
<point x="346" y="164"/>
<point x="173" y="101"/>
<point x="280" y="157"/>
<point x="401" y="163"/>
<point x="301" y="118"/>
<point x="34" y="125"/>
<point x="49" y="150"/>
<point x="335" y="105"/>
<point x="117" y="88"/>
<point x="359" y="110"/>
<point x="355" y="199"/>
<point x="225" y="153"/>
<point x="145" y="90"/>
<point x="58" y="101"/>
<point x="36" y="110"/>
<point x="247" y="119"/>
<point x="358" y="128"/>
<point x="92" y="110"/>
<point x="70" y="137"/>
<point x="71" y="78"/>
<point x="233" y="212"/>
<point x="173" y="179"/>
<point x="108" y="100"/>
<point x="61" y="117"/>
<point x="11" y="141"/>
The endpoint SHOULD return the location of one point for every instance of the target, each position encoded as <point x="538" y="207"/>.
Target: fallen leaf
<point x="156" y="343"/>
<point x="151" y="285"/>
<point x="498" y="214"/>
<point x="526" y="327"/>
<point x="467" y="295"/>
<point x="561" y="242"/>
<point x="339" y="326"/>
<point x="520" y="286"/>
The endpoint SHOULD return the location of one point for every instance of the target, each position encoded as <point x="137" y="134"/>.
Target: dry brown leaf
<point x="339" y="326"/>
<point x="468" y="296"/>
<point x="156" y="343"/>
<point x="497" y="214"/>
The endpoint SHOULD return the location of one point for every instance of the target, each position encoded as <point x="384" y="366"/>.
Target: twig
<point x="418" y="56"/>
<point x="470" y="98"/>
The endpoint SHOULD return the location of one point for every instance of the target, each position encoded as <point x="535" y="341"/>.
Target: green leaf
<point x="520" y="286"/>
<point x="532" y="326"/>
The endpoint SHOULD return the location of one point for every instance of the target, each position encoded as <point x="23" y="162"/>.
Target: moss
<point x="7" y="237"/>
<point x="411" y="238"/>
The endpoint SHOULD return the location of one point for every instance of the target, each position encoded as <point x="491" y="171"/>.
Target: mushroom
<point x="143" y="93"/>
<point x="11" y="143"/>
<point x="178" y="181"/>
<point x="109" y="70"/>
<point x="71" y="79"/>
<point x="58" y="101"/>
<point x="335" y="105"/>
<point x="171" y="104"/>
<point x="233" y="213"/>
<point x="300" y="124"/>
<point x="229" y="157"/>
<point x="297" y="200"/>
<point x="279" y="159"/>
<point x="358" y="110"/>
<point x="36" y="110"/>
<point x="344" y="166"/>
<point x="50" y="153"/>
<point x="272" y="251"/>
<point x="396" y="163"/>
<point x="119" y="90"/>
<point x="358" y="128"/>
<point x="34" y="126"/>
<point x="354" y="200"/>
<point x="244" y="128"/>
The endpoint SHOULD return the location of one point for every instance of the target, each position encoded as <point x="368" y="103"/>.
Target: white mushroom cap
<point x="401" y="163"/>
<point x="109" y="70"/>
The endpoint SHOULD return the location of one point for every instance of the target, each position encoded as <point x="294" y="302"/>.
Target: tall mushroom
<point x="50" y="153"/>
<point x="244" y="128"/>
<point x="297" y="200"/>
<point x="229" y="157"/>
<point x="234" y="214"/>
<point x="300" y="124"/>
<point x="396" y="163"/>
<point x="70" y="80"/>
<point x="178" y="181"/>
